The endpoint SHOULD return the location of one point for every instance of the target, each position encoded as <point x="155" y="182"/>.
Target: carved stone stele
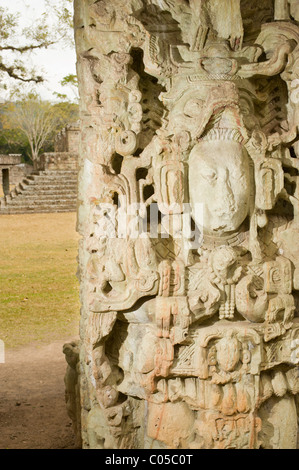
<point x="189" y="222"/>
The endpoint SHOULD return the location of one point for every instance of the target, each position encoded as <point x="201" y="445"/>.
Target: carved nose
<point x="225" y="195"/>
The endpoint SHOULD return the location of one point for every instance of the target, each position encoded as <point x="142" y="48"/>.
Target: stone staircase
<point x="43" y="191"/>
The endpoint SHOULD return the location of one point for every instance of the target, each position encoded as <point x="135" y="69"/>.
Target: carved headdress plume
<point x="226" y="125"/>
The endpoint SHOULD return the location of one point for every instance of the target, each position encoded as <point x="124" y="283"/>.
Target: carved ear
<point x="126" y="143"/>
<point x="201" y="366"/>
<point x="257" y="144"/>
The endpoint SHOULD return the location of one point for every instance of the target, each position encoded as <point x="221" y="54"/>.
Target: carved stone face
<point x="219" y="179"/>
<point x="228" y="353"/>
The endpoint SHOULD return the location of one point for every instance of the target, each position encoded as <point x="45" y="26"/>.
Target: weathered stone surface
<point x="72" y="387"/>
<point x="188" y="215"/>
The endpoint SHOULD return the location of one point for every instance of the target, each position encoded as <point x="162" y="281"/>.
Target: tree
<point x="13" y="141"/>
<point x="17" y="42"/>
<point x="29" y="124"/>
<point x="66" y="112"/>
<point x="63" y="11"/>
<point x="36" y="120"/>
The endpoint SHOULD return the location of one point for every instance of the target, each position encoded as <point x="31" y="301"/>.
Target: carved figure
<point x="188" y="213"/>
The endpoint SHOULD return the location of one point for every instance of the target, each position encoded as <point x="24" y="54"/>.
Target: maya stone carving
<point x="188" y="215"/>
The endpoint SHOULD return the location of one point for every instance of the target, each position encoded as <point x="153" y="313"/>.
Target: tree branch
<point x="12" y="72"/>
<point x="27" y="48"/>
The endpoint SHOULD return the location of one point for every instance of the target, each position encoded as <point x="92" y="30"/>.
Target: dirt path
<point x="32" y="406"/>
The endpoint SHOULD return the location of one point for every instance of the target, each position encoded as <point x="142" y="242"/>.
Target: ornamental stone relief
<point x="189" y="222"/>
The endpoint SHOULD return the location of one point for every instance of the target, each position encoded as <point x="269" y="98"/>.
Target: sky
<point x="56" y="62"/>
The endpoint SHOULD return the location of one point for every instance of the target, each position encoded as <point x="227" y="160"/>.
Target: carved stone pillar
<point x="189" y="222"/>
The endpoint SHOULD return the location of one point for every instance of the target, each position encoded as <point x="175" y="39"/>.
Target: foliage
<point x="66" y="113"/>
<point x="36" y="120"/>
<point x="54" y="25"/>
<point x="71" y="82"/>
<point x="63" y="12"/>
<point x="29" y="124"/>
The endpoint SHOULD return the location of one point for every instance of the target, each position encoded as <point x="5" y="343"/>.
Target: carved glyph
<point x="188" y="215"/>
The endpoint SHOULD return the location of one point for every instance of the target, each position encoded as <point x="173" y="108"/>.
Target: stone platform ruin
<point x="52" y="185"/>
<point x="189" y="222"/>
<point x="12" y="172"/>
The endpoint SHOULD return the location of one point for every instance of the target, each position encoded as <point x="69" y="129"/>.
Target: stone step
<point x="34" y="189"/>
<point x="32" y="176"/>
<point x="44" y="191"/>
<point x="31" y="204"/>
<point x="42" y="199"/>
<point x="38" y="202"/>
<point x="41" y="195"/>
<point x="47" y="193"/>
<point x="54" y="173"/>
<point x="41" y="192"/>
<point x="58" y="172"/>
<point x="37" y="206"/>
<point x="46" y="187"/>
<point x="47" y="182"/>
<point x="24" y="184"/>
<point x="51" y="180"/>
<point x="50" y="187"/>
<point x="45" y="202"/>
<point x="34" y="210"/>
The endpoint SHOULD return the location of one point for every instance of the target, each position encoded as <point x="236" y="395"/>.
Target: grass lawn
<point x="39" y="291"/>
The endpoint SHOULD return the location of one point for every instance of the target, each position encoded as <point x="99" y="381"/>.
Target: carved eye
<point x="209" y="174"/>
